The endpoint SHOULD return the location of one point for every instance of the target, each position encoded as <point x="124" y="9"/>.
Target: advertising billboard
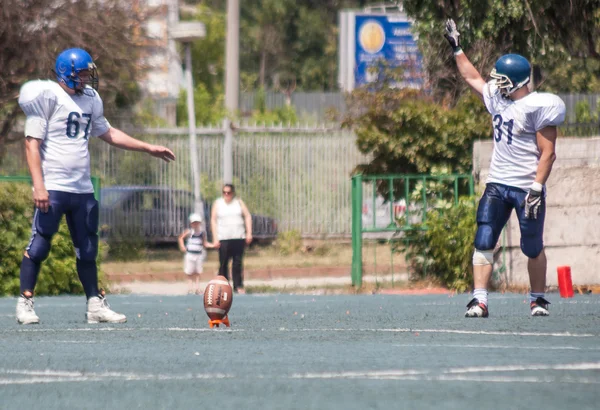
<point x="369" y="39"/>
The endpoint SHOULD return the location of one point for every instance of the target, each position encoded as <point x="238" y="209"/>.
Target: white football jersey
<point x="516" y="154"/>
<point x="64" y="123"/>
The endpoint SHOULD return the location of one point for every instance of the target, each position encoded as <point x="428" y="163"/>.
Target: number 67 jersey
<point x="63" y="123"/>
<point x="516" y="154"/>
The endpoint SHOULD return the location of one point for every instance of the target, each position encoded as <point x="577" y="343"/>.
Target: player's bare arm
<point x="181" y="238"/>
<point x="119" y="139"/>
<point x="34" y="161"/>
<point x="468" y="72"/>
<point x="247" y="221"/>
<point x="207" y="244"/>
<point x="213" y="226"/>
<point x="546" y="140"/>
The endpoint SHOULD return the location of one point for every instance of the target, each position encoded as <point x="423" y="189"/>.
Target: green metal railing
<point x="27" y="179"/>
<point x="396" y="188"/>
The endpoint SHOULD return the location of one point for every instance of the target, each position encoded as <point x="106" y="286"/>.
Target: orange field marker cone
<point x="565" y="285"/>
<point x="217" y="322"/>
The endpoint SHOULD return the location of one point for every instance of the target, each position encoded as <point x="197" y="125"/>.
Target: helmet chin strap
<point x="522" y="84"/>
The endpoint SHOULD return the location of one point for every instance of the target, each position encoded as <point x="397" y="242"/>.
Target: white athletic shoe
<point x="476" y="309"/>
<point x="540" y="307"/>
<point x="98" y="311"/>
<point x="25" y="313"/>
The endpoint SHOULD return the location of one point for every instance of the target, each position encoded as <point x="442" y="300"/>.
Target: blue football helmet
<point x="511" y="72"/>
<point x="70" y="63"/>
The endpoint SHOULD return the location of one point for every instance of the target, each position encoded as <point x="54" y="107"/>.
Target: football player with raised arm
<point x="61" y="117"/>
<point x="524" y="125"/>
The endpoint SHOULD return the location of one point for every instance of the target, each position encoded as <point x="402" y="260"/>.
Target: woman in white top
<point x="231" y="225"/>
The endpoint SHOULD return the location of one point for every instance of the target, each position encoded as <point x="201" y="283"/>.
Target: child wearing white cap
<point x="192" y="242"/>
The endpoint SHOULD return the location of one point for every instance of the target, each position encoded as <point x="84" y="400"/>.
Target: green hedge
<point x="445" y="249"/>
<point x="58" y="274"/>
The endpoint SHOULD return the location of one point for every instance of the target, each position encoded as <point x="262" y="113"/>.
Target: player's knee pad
<point x="486" y="237"/>
<point x="88" y="250"/>
<point x="532" y="247"/>
<point x="45" y="225"/>
<point x="483" y="257"/>
<point x="39" y="248"/>
<point x="91" y="219"/>
<point x="88" y="253"/>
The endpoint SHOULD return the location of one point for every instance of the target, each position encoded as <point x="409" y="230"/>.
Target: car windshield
<point x="109" y="197"/>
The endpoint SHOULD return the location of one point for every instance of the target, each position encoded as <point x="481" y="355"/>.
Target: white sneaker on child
<point x="25" y="313"/>
<point x="98" y="310"/>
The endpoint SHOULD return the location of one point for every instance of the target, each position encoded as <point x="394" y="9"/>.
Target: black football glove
<point x="532" y="203"/>
<point x="452" y="35"/>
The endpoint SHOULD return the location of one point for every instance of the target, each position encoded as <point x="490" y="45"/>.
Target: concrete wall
<point x="572" y="228"/>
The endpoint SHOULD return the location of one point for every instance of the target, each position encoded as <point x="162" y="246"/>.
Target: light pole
<point x="185" y="33"/>
<point x="232" y="83"/>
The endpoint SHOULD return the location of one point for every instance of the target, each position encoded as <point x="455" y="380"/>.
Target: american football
<point x="218" y="296"/>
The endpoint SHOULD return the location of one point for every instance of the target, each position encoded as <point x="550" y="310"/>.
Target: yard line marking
<point x="466" y="332"/>
<point x="54" y="376"/>
<point x="471" y="373"/>
<point x="494" y="379"/>
<point x="358" y="375"/>
<point x="449" y="373"/>
<point x="121" y="329"/>
<point x="284" y="329"/>
<point x="480" y="346"/>
<point x="517" y="368"/>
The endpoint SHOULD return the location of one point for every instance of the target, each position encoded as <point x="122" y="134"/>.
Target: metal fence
<point x="298" y="176"/>
<point x="310" y="106"/>
<point x="316" y="105"/>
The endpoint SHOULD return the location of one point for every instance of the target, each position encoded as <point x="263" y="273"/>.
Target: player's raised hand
<point x="161" y="152"/>
<point x="452" y="35"/>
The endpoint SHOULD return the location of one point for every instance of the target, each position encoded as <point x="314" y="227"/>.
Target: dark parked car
<point x="160" y="214"/>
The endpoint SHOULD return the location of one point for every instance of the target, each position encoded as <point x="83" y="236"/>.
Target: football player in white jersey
<point x="61" y="117"/>
<point x="525" y="130"/>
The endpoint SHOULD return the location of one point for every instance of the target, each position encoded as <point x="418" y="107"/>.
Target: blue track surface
<point x="304" y="352"/>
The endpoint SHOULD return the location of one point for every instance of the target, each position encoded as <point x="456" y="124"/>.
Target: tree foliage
<point x="282" y="40"/>
<point x="33" y="32"/>
<point x="407" y="131"/>
<point x="561" y="38"/>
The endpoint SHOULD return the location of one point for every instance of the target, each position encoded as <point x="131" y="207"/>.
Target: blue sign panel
<point x="386" y="38"/>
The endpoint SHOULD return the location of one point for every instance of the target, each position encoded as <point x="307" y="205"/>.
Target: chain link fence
<point x="298" y="176"/>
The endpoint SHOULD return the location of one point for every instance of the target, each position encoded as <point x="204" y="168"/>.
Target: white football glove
<point x="452" y="35"/>
<point x="532" y="203"/>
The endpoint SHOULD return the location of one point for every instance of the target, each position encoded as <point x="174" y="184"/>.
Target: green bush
<point x="126" y="248"/>
<point x="289" y="242"/>
<point x="405" y="131"/>
<point x="58" y="274"/>
<point x="443" y="248"/>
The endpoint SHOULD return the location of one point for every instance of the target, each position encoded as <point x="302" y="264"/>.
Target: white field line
<point x="309" y="330"/>
<point x="54" y="376"/>
<point x="445" y="372"/>
<point x="472" y="374"/>
<point x="454" y="331"/>
<point x="120" y="329"/>
<point x="61" y="341"/>
<point x="493" y="379"/>
<point x="485" y="346"/>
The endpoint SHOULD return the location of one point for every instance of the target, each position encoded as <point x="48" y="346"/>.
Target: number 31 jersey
<point x="64" y="123"/>
<point x="516" y="154"/>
